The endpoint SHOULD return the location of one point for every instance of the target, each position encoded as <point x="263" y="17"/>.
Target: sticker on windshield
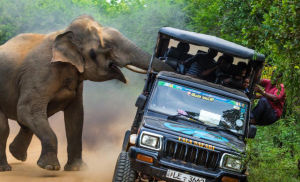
<point x="201" y="94"/>
<point x="209" y="117"/>
<point x="211" y="99"/>
<point x="236" y="107"/>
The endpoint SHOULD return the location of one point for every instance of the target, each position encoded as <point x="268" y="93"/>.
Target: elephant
<point x="42" y="74"/>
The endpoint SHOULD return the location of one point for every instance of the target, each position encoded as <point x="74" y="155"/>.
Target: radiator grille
<point x="191" y="154"/>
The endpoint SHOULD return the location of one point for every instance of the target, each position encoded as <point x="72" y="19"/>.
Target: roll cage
<point x="168" y="35"/>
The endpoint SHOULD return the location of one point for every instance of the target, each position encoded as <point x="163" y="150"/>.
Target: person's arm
<point x="196" y="57"/>
<point x="272" y="97"/>
<point x="264" y="82"/>
<point x="189" y="61"/>
<point x="209" y="71"/>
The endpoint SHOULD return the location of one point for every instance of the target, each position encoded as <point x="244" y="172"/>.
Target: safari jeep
<point x="188" y="129"/>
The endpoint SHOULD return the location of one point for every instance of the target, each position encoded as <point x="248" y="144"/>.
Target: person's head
<point x="212" y="53"/>
<point x="228" y="58"/>
<point x="244" y="72"/>
<point x="246" y="83"/>
<point x="225" y="62"/>
<point x="243" y="68"/>
<point x="225" y="59"/>
<point x="183" y="47"/>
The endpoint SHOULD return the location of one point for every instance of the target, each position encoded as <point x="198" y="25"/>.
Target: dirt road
<point x="100" y="167"/>
<point x="100" y="160"/>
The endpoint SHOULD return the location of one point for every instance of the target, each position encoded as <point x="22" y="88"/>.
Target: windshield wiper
<point x="216" y="128"/>
<point x="189" y="117"/>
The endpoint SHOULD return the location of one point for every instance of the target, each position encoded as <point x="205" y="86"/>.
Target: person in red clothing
<point x="270" y="105"/>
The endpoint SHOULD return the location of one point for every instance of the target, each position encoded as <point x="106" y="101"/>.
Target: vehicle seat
<point x="171" y="57"/>
<point x="177" y="54"/>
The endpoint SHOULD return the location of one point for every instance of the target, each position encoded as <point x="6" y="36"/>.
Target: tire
<point x="123" y="171"/>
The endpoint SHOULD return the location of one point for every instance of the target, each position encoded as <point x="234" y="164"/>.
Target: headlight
<point x="151" y="140"/>
<point x="231" y="162"/>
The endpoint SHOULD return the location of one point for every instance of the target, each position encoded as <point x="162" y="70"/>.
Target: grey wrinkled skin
<point x="43" y="74"/>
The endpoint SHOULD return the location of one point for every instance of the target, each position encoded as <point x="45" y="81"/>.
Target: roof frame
<point x="214" y="42"/>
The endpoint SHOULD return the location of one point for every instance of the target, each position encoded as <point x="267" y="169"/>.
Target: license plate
<point x="183" y="177"/>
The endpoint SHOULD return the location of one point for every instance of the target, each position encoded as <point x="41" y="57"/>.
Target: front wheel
<point x="123" y="171"/>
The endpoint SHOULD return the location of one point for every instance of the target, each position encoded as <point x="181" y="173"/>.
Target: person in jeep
<point x="271" y="101"/>
<point x="203" y="65"/>
<point x="237" y="77"/>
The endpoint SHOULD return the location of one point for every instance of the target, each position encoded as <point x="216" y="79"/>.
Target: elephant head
<point x="98" y="52"/>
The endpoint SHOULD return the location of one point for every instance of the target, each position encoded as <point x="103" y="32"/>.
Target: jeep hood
<point x="220" y="139"/>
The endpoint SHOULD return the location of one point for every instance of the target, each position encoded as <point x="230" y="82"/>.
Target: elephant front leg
<point x="73" y="115"/>
<point x="4" y="132"/>
<point x="18" y="148"/>
<point x="32" y="113"/>
<point x="74" y="137"/>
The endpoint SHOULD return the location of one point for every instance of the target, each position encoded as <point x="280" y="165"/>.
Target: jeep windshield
<point x="206" y="108"/>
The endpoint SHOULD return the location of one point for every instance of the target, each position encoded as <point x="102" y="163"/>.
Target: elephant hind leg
<point x="32" y="114"/>
<point x="4" y="132"/>
<point x="18" y="148"/>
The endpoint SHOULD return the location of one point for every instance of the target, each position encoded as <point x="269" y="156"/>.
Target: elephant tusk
<point x="136" y="69"/>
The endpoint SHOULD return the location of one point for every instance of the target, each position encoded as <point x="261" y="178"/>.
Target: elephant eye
<point x="92" y="54"/>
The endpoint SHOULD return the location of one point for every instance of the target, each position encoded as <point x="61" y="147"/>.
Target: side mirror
<point x="141" y="100"/>
<point x="252" y="131"/>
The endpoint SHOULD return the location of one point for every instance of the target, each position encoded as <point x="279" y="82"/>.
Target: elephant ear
<point x="65" y="49"/>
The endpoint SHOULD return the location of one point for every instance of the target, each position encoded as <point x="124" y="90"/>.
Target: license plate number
<point x="183" y="177"/>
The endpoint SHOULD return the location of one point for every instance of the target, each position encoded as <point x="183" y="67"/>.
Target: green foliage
<point x="275" y="152"/>
<point x="272" y="28"/>
<point x="203" y="15"/>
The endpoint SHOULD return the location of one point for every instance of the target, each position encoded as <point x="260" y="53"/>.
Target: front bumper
<point x="160" y="166"/>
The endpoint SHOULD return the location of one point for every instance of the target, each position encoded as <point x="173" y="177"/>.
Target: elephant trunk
<point x="141" y="59"/>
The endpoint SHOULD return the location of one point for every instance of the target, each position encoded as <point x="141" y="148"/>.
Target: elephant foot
<point x="17" y="152"/>
<point x="5" y="167"/>
<point x="49" y="161"/>
<point x="77" y="165"/>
